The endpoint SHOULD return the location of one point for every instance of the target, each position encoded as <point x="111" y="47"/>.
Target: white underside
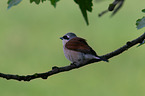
<point x="78" y="57"/>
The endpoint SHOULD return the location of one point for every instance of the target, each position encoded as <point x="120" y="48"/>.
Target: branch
<point x="56" y="70"/>
<point x="112" y="7"/>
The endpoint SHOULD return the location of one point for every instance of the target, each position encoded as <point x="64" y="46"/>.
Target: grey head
<point x="68" y="36"/>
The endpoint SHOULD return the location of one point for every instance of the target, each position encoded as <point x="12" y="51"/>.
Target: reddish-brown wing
<point x="80" y="45"/>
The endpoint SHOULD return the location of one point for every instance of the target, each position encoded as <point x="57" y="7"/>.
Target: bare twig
<point x="118" y="3"/>
<point x="56" y="70"/>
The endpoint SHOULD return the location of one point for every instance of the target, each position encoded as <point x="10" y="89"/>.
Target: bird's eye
<point x="65" y="37"/>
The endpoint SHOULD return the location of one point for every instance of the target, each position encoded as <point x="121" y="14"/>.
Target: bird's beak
<point x="61" y="38"/>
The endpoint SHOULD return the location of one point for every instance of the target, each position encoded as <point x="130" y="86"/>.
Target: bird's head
<point x="68" y="37"/>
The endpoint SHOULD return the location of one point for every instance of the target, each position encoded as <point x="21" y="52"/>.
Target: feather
<point x="80" y="45"/>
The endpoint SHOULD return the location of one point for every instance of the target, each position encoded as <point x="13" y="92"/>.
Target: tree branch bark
<point x="56" y="70"/>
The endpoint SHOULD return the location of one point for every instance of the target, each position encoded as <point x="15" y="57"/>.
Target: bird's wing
<point x="80" y="45"/>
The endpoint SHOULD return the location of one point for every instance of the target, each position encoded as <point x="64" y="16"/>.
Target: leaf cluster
<point x="84" y="5"/>
<point x="140" y="23"/>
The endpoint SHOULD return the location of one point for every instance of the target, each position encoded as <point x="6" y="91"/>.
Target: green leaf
<point x="85" y="5"/>
<point x="143" y="10"/>
<point x="36" y="1"/>
<point x="31" y="1"/>
<point x="53" y="2"/>
<point x="140" y="23"/>
<point x="143" y="42"/>
<point x="13" y="3"/>
<point x="43" y="1"/>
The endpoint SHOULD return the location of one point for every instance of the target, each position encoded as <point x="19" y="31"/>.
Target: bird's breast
<point x="73" y="56"/>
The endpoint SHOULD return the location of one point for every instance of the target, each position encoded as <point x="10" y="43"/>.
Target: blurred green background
<point x="29" y="43"/>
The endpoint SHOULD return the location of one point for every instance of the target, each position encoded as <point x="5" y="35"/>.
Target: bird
<point x="77" y="50"/>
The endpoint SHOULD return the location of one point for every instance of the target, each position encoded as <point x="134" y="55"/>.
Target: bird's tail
<point x="102" y="58"/>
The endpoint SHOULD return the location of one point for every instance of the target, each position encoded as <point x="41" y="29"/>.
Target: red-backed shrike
<point x="77" y="50"/>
